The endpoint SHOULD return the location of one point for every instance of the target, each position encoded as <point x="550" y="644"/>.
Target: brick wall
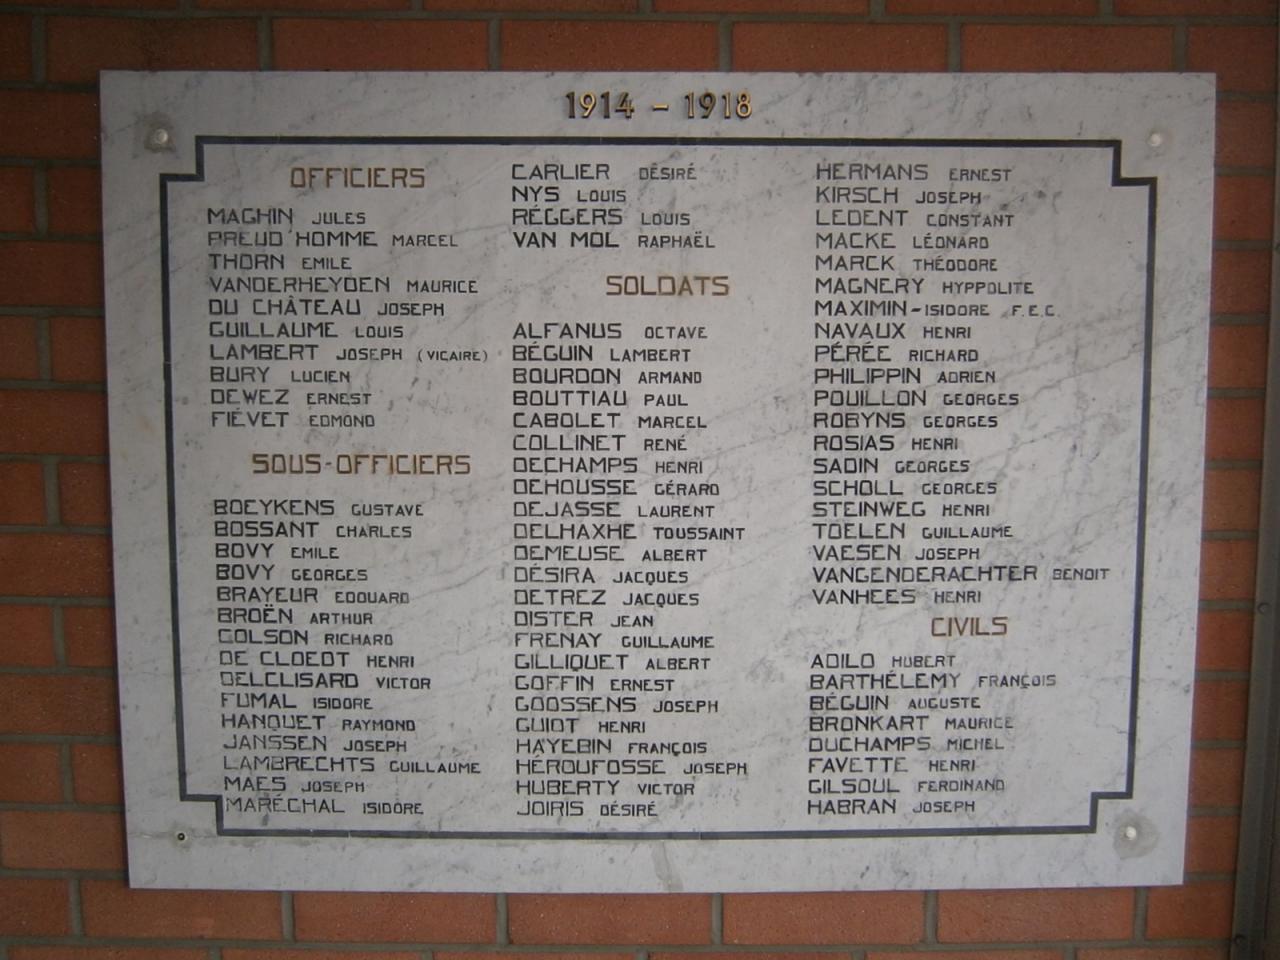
<point x="62" y="890"/>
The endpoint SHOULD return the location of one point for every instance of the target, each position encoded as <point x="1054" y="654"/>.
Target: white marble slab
<point x="801" y="496"/>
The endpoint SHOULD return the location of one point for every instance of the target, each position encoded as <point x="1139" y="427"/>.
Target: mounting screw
<point x="1155" y="139"/>
<point x="180" y="836"/>
<point x="159" y="139"/>
<point x="1131" y="832"/>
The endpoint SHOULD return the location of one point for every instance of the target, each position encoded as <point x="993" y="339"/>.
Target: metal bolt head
<point x="1135" y="836"/>
<point x="159" y="139"/>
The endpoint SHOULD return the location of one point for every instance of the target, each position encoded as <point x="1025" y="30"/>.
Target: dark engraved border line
<point x="1095" y="798"/>
<point x="1144" y="440"/>
<point x="170" y="469"/>
<point x="204" y="140"/>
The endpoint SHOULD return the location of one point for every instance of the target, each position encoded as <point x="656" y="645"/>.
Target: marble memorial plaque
<point x="656" y="482"/>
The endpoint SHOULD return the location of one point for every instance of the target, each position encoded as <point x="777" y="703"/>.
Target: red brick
<point x="55" y="565"/>
<point x="34" y="908"/>
<point x="535" y="6"/>
<point x="53" y="421"/>
<point x="47" y="124"/>
<point x="81" y="46"/>
<point x="95" y="770"/>
<point x="823" y="918"/>
<point x="1211" y="844"/>
<point x="17" y="200"/>
<point x="1246" y="134"/>
<point x="1244" y="58"/>
<point x="1224" y="640"/>
<point x="62" y="840"/>
<point x="26" y="636"/>
<point x="988" y="954"/>
<point x="1231" y="499"/>
<point x="50" y="273"/>
<point x="1210" y="8"/>
<point x="1193" y="910"/>
<point x="609" y="918"/>
<point x="30" y="773"/>
<point x="57" y="704"/>
<point x="1046" y="48"/>
<point x="104" y="953"/>
<point x="113" y="910"/>
<point x="75" y="200"/>
<point x="15" y="48"/>
<point x="88" y="635"/>
<point x="23" y="486"/>
<point x="1234" y="427"/>
<point x="993" y="915"/>
<point x="841" y="7"/>
<point x="1241" y="281"/>
<point x="739" y="955"/>
<point x="605" y="45"/>
<point x="362" y="6"/>
<point x="1238" y="355"/>
<point x="839" y="46"/>
<point x="84" y="494"/>
<point x="228" y="954"/>
<point x="1227" y="569"/>
<point x="1216" y="777"/>
<point x="78" y="349"/>
<point x="19" y="348"/>
<point x="1242" y="208"/>
<point x="1219" y="711"/>
<point x="395" y="918"/>
<point x="1153" y="953"/>
<point x="138" y="4"/>
<point x="995" y="8"/>
<point x="380" y="45"/>
<point x="561" y="955"/>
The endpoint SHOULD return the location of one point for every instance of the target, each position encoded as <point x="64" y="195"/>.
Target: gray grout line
<point x="52" y="500"/>
<point x="39" y="52"/>
<point x="76" y="908"/>
<point x="265" y="37"/>
<point x="44" y="347"/>
<point x="66" y="769"/>
<point x="1140" y="915"/>
<point x="41" y="186"/>
<point x="1180" y="46"/>
<point x="59" y="637"/>
<point x="502" y="933"/>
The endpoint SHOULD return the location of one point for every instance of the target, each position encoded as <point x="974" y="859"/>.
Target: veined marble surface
<point x="656" y="482"/>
